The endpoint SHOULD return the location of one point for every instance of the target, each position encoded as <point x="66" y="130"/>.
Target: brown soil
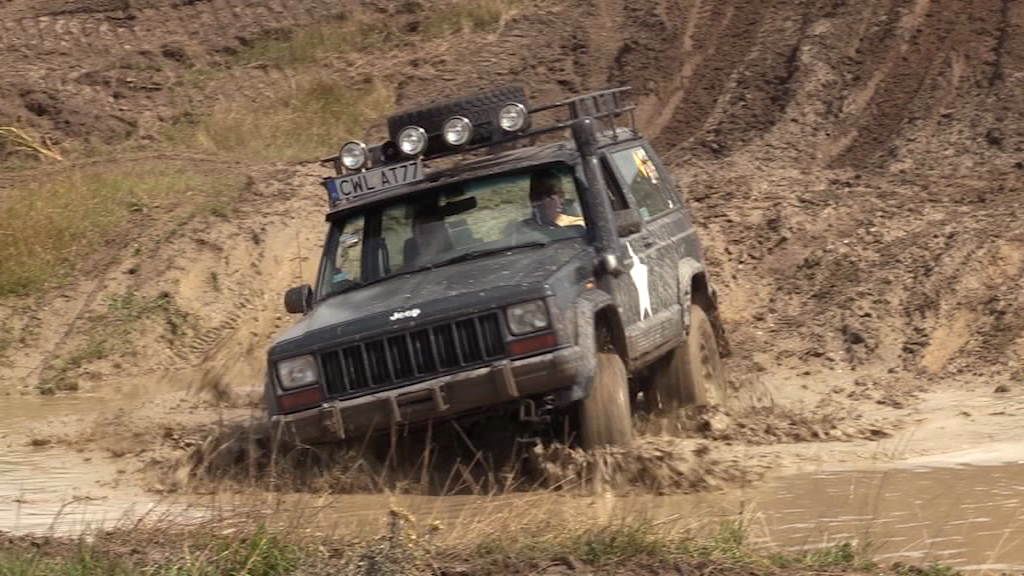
<point x="856" y="170"/>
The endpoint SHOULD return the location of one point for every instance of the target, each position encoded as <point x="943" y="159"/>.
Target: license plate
<point x="348" y="188"/>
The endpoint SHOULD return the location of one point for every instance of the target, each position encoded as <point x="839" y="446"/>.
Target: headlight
<point x="412" y="140"/>
<point x="298" y="371"/>
<point x="512" y="117"/>
<point x="353" y="155"/>
<point x="457" y="130"/>
<point x="527" y="317"/>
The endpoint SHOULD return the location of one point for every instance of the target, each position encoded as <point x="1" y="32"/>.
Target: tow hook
<point x="537" y="417"/>
<point x="530" y="412"/>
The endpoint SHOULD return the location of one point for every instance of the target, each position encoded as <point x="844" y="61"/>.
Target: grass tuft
<point x="500" y="544"/>
<point x="467" y="17"/>
<point x="604" y="545"/>
<point x="354" y="34"/>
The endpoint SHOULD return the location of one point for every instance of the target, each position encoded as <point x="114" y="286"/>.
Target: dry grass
<point x="362" y="33"/>
<point x="358" y="33"/>
<point x="469" y="17"/>
<point x="49" y="228"/>
<point x="20" y="141"/>
<point x="326" y="83"/>
<point x="517" y="538"/>
<point x="301" y="118"/>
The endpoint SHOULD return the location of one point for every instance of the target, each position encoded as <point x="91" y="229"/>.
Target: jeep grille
<point x="414" y="355"/>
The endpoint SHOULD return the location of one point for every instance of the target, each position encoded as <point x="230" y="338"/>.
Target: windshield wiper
<point x="477" y="253"/>
<point x="354" y="284"/>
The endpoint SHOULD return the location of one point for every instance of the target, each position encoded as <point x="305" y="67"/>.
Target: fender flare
<point x="269" y="392"/>
<point x="588" y="306"/>
<point x="687" y="270"/>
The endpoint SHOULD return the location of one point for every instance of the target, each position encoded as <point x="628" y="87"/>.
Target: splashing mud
<point x="680" y="453"/>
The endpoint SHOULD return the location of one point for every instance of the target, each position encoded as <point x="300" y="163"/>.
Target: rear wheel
<point x="605" y="416"/>
<point x="692" y="374"/>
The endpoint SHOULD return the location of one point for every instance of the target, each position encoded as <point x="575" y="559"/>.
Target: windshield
<point x="451" y="223"/>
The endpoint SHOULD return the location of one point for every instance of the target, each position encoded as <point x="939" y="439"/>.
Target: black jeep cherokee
<point x="526" y="270"/>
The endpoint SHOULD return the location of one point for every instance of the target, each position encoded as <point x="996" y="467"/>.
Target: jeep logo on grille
<point x="405" y="314"/>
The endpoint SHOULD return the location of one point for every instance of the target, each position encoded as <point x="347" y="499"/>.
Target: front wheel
<point x="605" y="416"/>
<point x="692" y="374"/>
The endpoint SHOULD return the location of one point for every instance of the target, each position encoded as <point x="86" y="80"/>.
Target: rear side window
<point x="639" y="173"/>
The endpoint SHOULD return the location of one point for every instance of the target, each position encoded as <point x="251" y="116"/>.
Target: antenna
<point x="298" y="251"/>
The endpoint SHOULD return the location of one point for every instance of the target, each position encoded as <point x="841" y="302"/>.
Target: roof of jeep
<point x="506" y="161"/>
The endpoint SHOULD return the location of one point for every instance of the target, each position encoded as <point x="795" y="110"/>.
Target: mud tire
<point x="692" y="374"/>
<point x="605" y="415"/>
<point x="480" y="108"/>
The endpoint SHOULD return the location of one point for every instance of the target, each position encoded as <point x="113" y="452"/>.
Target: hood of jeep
<point x="449" y="291"/>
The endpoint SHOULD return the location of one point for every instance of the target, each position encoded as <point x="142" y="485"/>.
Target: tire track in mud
<point x="664" y="108"/>
<point x="878" y="110"/>
<point x="216" y="21"/>
<point x="760" y="89"/>
<point x="723" y="45"/>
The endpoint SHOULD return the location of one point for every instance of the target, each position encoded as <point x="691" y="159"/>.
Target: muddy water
<point x="964" y="509"/>
<point x="45" y="489"/>
<point x="968" y="516"/>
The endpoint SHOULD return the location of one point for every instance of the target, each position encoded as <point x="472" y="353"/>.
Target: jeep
<point x="482" y="262"/>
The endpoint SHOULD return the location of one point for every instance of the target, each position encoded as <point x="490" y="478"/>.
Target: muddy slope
<point x="857" y="167"/>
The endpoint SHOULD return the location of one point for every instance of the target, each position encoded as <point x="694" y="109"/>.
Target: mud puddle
<point x="57" y="490"/>
<point x="967" y="516"/>
<point x="961" y="505"/>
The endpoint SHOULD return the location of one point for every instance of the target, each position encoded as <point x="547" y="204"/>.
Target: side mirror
<point x="298" y="300"/>
<point x="627" y="222"/>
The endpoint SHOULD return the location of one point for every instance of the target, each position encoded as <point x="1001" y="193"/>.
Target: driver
<point x="547" y="199"/>
<point x="429" y="238"/>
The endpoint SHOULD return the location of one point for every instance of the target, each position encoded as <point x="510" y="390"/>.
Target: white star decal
<point x="639" y="274"/>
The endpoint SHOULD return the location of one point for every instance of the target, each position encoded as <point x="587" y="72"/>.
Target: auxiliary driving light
<point x="512" y="117"/>
<point x="412" y="140"/>
<point x="457" y="130"/>
<point x="353" y="155"/>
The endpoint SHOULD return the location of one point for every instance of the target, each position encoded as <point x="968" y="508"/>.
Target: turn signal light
<point x="304" y="398"/>
<point x="532" y="344"/>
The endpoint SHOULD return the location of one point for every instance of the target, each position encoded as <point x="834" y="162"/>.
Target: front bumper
<point x="438" y="399"/>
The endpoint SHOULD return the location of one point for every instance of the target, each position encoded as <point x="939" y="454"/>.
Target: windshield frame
<point x="373" y="210"/>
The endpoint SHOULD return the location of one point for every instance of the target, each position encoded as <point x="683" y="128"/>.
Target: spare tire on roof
<point x="481" y="108"/>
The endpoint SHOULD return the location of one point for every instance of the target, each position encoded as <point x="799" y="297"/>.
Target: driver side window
<point x="347" y="262"/>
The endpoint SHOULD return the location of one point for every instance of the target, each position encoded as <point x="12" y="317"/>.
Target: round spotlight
<point x="412" y="140"/>
<point x="353" y="155"/>
<point x="512" y="117"/>
<point x="457" y="130"/>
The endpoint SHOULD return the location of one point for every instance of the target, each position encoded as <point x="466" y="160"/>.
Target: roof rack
<point x="603" y="106"/>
